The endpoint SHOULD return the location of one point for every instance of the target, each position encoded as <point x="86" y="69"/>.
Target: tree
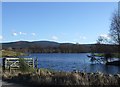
<point x="115" y="29"/>
<point x="100" y="45"/>
<point x="101" y="40"/>
<point x="107" y="56"/>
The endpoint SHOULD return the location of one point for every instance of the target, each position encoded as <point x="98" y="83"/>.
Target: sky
<point x="63" y="22"/>
<point x="60" y="0"/>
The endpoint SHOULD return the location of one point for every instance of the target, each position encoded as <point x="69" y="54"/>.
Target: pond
<point x="72" y="61"/>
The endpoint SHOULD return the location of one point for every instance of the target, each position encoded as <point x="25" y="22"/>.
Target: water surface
<point x="72" y="61"/>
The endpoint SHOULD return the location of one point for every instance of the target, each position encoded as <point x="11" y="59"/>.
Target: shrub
<point x="24" y="67"/>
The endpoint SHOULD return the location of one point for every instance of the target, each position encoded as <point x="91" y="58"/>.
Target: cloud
<point x="14" y="34"/>
<point x="1" y="37"/>
<point x="54" y="37"/>
<point x="33" y="34"/>
<point x="18" y="33"/>
<point x="105" y="36"/>
<point x="22" y="33"/>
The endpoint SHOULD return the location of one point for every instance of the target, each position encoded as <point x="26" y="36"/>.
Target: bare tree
<point x="115" y="28"/>
<point x="102" y="40"/>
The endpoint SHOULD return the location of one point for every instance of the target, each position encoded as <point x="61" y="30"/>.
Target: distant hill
<point x="18" y="44"/>
<point x="55" y="47"/>
<point x="25" y="44"/>
<point x="45" y="43"/>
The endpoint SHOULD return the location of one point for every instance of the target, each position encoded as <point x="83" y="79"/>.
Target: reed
<point x="46" y="77"/>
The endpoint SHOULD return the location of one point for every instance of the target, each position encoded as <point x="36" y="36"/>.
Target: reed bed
<point x="49" y="77"/>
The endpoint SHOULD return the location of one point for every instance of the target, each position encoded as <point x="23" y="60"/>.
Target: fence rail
<point x="13" y="63"/>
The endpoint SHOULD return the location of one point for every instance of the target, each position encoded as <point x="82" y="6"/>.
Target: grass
<point x="114" y="55"/>
<point x="46" y="77"/>
<point x="117" y="55"/>
<point x="9" y="53"/>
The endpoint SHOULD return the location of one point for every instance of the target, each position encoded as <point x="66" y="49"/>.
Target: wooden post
<point x="9" y="69"/>
<point x="36" y="65"/>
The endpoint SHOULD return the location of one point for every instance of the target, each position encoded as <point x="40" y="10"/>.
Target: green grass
<point x="114" y="55"/>
<point x="117" y="55"/>
<point x="9" y="53"/>
<point x="99" y="55"/>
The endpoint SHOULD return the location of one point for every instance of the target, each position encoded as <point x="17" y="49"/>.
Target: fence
<point x="13" y="63"/>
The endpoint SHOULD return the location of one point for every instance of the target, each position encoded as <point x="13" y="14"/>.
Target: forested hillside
<point x="54" y="47"/>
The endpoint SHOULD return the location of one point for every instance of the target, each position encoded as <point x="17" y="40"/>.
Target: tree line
<point x="64" y="48"/>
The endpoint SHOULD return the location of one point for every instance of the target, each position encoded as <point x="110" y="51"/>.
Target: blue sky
<point x="75" y="22"/>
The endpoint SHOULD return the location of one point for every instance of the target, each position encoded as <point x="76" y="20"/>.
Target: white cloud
<point x="22" y="33"/>
<point x="14" y="34"/>
<point x="105" y="36"/>
<point x="18" y="33"/>
<point x="33" y="34"/>
<point x="1" y="37"/>
<point x="54" y="37"/>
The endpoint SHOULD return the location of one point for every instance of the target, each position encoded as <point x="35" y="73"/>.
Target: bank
<point x="49" y="77"/>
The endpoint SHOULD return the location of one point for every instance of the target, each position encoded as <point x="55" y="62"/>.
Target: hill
<point x="55" y="47"/>
<point x="25" y="44"/>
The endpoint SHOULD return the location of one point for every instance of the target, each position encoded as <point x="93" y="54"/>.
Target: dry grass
<point x="9" y="53"/>
<point x="46" y="77"/>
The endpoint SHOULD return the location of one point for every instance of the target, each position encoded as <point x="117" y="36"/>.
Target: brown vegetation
<point x="46" y="77"/>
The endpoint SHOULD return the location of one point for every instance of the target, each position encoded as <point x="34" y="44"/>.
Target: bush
<point x="24" y="67"/>
<point x="108" y="56"/>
